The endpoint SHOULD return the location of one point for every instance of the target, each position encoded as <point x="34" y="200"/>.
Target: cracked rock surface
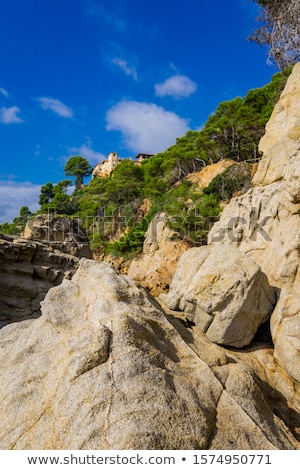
<point x="106" y="367"/>
<point x="28" y="269"/>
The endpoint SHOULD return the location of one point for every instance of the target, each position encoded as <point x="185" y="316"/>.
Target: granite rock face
<point x="281" y="141"/>
<point x="264" y="223"/>
<point x="223" y="292"/>
<point x="105" y="368"/>
<point x="155" y="267"/>
<point x="28" y="269"/>
<point x="63" y="233"/>
<point x="30" y="266"/>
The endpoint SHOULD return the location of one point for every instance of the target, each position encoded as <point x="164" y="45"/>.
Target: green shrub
<point x="235" y="178"/>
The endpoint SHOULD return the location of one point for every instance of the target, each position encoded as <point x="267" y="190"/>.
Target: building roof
<point x="145" y="155"/>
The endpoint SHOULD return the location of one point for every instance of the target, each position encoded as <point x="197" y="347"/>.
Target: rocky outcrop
<point x="223" y="292"/>
<point x="281" y="141"/>
<point x="204" y="177"/>
<point x="264" y="223"/>
<point x="28" y="269"/>
<point x="155" y="267"/>
<point x="63" y="233"/>
<point x="105" y="368"/>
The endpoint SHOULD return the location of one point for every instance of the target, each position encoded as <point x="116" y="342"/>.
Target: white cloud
<point x="10" y="115"/>
<point x="178" y="86"/>
<point x="86" y="151"/>
<point x="56" y="106"/>
<point x="127" y="69"/>
<point x="14" y="195"/>
<point x="145" y="127"/>
<point x="4" y="92"/>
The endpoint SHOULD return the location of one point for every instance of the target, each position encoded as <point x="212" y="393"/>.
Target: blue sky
<point x="88" y="77"/>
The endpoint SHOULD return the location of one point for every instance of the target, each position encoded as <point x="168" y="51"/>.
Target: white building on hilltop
<point x="106" y="166"/>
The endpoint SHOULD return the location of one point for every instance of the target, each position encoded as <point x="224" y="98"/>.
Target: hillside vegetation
<point x="116" y="210"/>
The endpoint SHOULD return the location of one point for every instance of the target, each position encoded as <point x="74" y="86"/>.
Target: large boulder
<point x="223" y="292"/>
<point x="103" y="368"/>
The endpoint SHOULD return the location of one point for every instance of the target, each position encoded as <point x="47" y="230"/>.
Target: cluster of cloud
<point x="176" y="86"/>
<point x="10" y="115"/>
<point x="14" y="195"/>
<point x="145" y="127"/>
<point x="56" y="106"/>
<point x="127" y="69"/>
<point x="114" y="53"/>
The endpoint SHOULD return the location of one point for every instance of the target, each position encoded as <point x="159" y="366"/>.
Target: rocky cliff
<point x="265" y="225"/>
<point x="30" y="266"/>
<point x="108" y="367"/>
